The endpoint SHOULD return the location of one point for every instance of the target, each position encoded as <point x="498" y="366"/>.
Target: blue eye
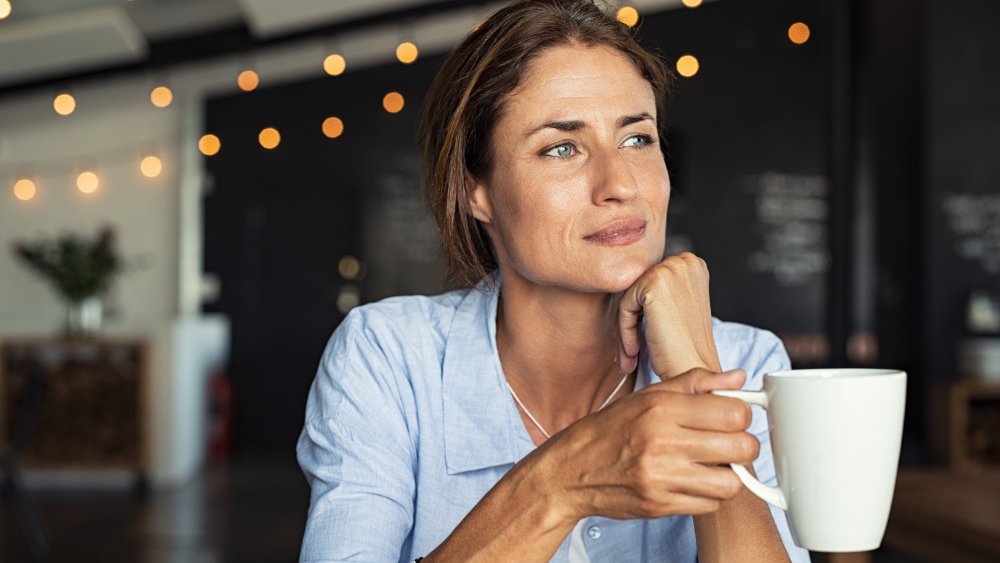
<point x="638" y="141"/>
<point x="565" y="150"/>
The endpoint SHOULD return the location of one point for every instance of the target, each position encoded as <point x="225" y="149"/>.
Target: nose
<point x="613" y="180"/>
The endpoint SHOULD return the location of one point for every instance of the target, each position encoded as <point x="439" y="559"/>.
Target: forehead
<point x="577" y="78"/>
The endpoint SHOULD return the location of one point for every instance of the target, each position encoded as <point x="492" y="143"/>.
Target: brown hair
<point x="467" y="98"/>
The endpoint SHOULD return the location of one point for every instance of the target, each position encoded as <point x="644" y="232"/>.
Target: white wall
<point x="110" y="131"/>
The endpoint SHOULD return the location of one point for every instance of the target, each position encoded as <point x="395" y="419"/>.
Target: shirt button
<point x="594" y="532"/>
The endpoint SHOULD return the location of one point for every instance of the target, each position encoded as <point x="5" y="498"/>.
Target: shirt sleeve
<point x="769" y="355"/>
<point x="356" y="452"/>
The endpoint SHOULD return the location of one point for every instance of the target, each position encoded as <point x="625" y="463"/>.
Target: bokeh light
<point x="393" y="102"/>
<point x="248" y="80"/>
<point x="687" y="66"/>
<point x="24" y="189"/>
<point x="628" y="16"/>
<point x="5" y="8"/>
<point x="692" y="3"/>
<point x="407" y="52"/>
<point x="269" y="138"/>
<point x="87" y="182"/>
<point x="333" y="127"/>
<point x="798" y="32"/>
<point x="64" y="104"/>
<point x="334" y="65"/>
<point x="150" y="166"/>
<point x="209" y="144"/>
<point x="161" y="96"/>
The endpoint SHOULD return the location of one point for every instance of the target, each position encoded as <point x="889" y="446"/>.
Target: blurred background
<point x="193" y="193"/>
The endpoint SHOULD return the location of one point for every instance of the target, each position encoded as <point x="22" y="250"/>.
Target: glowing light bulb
<point x="798" y="33"/>
<point x="248" y="80"/>
<point x="393" y="102"/>
<point x="628" y="15"/>
<point x="333" y="127"/>
<point x="334" y="65"/>
<point x="151" y="166"/>
<point x="687" y="66"/>
<point x="209" y="144"/>
<point x="407" y="52"/>
<point x="269" y="138"/>
<point x="161" y="96"/>
<point x="24" y="189"/>
<point x="64" y="104"/>
<point x="5" y="9"/>
<point x="692" y="3"/>
<point x="87" y="182"/>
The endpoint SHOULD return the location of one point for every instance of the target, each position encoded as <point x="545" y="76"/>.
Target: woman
<point x="525" y="419"/>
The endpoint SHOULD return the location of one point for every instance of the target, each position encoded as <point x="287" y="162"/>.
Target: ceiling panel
<point x="69" y="42"/>
<point x="269" y="17"/>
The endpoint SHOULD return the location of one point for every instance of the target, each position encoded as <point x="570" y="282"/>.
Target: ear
<point x="479" y="198"/>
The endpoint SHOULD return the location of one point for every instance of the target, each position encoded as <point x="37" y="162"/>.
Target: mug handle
<point x="772" y="495"/>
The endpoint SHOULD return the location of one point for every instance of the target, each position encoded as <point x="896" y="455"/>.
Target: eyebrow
<point x="575" y="125"/>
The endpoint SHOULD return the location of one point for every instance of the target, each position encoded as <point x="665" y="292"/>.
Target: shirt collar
<point x="479" y="424"/>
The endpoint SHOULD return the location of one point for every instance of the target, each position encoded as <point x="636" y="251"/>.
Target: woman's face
<point x="578" y="193"/>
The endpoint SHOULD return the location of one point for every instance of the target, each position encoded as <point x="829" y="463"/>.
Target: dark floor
<point x="248" y="511"/>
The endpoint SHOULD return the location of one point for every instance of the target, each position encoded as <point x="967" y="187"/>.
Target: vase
<point x="84" y="316"/>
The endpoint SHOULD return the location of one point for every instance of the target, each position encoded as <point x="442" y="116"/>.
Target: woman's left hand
<point x="673" y="298"/>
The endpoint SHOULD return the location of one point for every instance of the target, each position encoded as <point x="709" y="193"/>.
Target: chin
<point x="616" y="278"/>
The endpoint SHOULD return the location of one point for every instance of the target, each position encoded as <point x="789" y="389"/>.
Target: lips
<point x="619" y="233"/>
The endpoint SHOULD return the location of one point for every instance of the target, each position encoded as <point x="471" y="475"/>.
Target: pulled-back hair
<point x="467" y="99"/>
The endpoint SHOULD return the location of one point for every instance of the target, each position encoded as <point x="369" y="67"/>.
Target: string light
<point x="209" y="144"/>
<point x="407" y="52"/>
<point x="269" y="138"/>
<point x="798" y="33"/>
<point x="161" y="96"/>
<point x="24" y="189"/>
<point x="334" y="64"/>
<point x="248" y="80"/>
<point x="333" y="127"/>
<point x="692" y="3"/>
<point x="151" y="166"/>
<point x="64" y="104"/>
<point x="393" y="102"/>
<point x="687" y="66"/>
<point x="5" y="9"/>
<point x="87" y="182"/>
<point x="628" y="16"/>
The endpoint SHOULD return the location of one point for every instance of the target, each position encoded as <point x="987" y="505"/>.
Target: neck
<point x="557" y="348"/>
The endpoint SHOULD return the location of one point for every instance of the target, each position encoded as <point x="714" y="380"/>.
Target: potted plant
<point x="80" y="269"/>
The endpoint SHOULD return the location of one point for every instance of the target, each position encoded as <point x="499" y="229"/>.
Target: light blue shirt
<point x="409" y="423"/>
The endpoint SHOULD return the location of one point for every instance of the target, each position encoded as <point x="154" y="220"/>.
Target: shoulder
<point x="400" y="320"/>
<point x="754" y="350"/>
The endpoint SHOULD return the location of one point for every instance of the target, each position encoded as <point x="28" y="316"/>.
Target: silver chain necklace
<point x="535" y="420"/>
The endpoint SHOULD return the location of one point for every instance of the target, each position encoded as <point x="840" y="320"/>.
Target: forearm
<point x="742" y="530"/>
<point x="520" y="519"/>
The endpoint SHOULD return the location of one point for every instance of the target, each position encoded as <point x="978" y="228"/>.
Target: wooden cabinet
<point x="91" y="413"/>
<point x="974" y="424"/>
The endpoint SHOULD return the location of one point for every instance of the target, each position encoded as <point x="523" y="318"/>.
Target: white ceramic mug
<point x="835" y="435"/>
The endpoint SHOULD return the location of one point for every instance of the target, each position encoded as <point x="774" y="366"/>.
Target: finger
<point x="629" y="320"/>
<point x="709" y="482"/>
<point x="714" y="448"/>
<point x="700" y="380"/>
<point x="707" y="412"/>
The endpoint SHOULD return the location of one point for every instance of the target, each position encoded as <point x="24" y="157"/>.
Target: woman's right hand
<point x="660" y="452"/>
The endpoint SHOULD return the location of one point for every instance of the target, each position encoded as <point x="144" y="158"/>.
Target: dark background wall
<point x="814" y="179"/>
<point x="960" y="165"/>
<point x="278" y="222"/>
